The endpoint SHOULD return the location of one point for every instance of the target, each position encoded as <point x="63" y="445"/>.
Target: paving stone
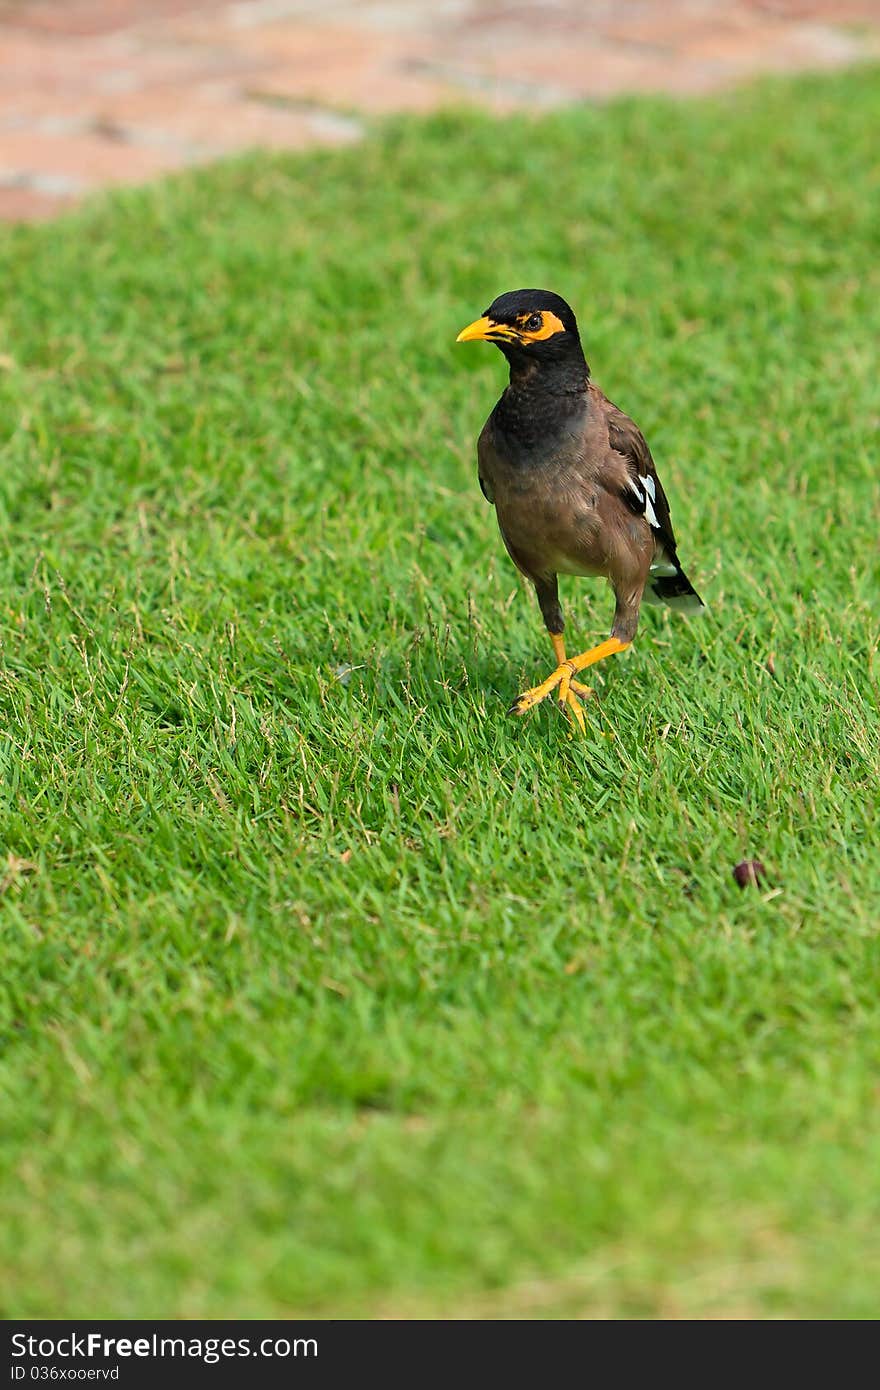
<point x="71" y="164"/>
<point x="211" y="121"/>
<point x="110" y="91"/>
<point x="774" y="47"/>
<point x="27" y="205"/>
<point x="350" y="85"/>
<point x="344" y="68"/>
<point x="119" y="63"/>
<point x="33" y="64"/>
<point x="88" y="17"/>
<point x="830" y="11"/>
<point x="548" y="76"/>
<point x="738" y="32"/>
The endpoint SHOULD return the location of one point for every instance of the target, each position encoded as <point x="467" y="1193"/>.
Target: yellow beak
<point x="486" y="330"/>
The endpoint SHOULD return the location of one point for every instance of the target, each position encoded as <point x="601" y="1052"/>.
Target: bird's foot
<point x="569" y="695"/>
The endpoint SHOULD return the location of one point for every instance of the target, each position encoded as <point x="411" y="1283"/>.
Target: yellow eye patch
<point x="550" y="325"/>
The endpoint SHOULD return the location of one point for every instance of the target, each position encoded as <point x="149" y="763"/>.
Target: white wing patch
<point x="647" y="495"/>
<point x="650" y="498"/>
<point x="663" y="568"/>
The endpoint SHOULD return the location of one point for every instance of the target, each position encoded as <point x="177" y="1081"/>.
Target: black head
<point x="528" y="325"/>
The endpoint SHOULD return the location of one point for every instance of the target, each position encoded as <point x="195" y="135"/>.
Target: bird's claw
<point x="523" y="703"/>
<point x="571" y="692"/>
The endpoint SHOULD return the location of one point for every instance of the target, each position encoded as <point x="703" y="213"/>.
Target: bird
<point x="574" y="486"/>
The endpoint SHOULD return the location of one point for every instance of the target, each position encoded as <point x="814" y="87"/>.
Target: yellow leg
<point x="569" y="689"/>
<point x="559" y="652"/>
<point x="568" y="700"/>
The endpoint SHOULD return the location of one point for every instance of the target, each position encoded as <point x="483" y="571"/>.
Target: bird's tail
<point x="672" y="587"/>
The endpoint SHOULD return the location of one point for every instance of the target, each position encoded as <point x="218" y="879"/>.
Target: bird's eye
<point x="534" y="323"/>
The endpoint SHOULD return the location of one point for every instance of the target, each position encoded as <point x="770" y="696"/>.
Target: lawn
<point x="326" y="987"/>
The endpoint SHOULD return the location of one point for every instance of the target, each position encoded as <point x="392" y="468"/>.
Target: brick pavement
<point x="98" y="92"/>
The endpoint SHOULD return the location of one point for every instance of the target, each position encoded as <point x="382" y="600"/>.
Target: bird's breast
<point x="551" y="525"/>
<point x="548" y="498"/>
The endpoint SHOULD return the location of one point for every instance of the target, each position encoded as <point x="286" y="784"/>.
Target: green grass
<point x="355" y="996"/>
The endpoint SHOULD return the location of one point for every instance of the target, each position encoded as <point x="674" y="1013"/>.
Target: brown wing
<point x="644" y="493"/>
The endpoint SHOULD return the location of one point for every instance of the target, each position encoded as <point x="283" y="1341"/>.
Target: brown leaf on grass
<point x="749" y="871"/>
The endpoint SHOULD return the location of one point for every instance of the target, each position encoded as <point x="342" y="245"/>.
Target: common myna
<point x="574" y="485"/>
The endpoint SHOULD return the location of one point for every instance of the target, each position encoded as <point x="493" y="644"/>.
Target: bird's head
<point x="530" y="327"/>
